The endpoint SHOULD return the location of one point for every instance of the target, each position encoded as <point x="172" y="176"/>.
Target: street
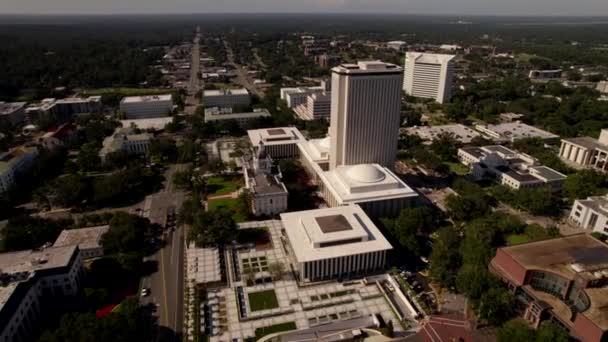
<point x="192" y="102"/>
<point x="241" y="74"/>
<point x="166" y="281"/>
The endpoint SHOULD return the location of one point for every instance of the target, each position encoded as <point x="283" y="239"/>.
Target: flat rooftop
<point x="460" y="132"/>
<point x="10" y="107"/>
<point x="215" y="114"/>
<point x="568" y="256"/>
<point x="224" y="92"/>
<point x="597" y="203"/>
<point x="84" y="238"/>
<point x="576" y="255"/>
<point x="275" y="136"/>
<point x="36" y="260"/>
<point x="365" y="183"/>
<point x="332" y="232"/>
<point x="430" y="58"/>
<point x="150" y="123"/>
<point x="367" y="67"/>
<point x="148" y="98"/>
<point x="518" y="130"/>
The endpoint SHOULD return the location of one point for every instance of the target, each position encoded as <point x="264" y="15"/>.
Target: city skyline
<point x="435" y="7"/>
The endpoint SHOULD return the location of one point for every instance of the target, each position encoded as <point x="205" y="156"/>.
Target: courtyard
<point x="249" y="310"/>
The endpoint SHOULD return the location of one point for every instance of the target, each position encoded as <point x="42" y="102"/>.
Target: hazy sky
<point x="472" y="7"/>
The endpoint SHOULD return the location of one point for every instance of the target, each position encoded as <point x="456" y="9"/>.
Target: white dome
<point x="366" y="174"/>
<point x="325" y="143"/>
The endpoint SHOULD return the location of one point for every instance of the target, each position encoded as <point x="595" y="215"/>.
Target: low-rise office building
<point x="561" y="280"/>
<point x="244" y="120"/>
<point x="317" y="106"/>
<point x="510" y="168"/>
<point x="513" y="131"/>
<point x="545" y="74"/>
<point x="586" y="151"/>
<point x="12" y="112"/>
<point x="87" y="239"/>
<point x="127" y="140"/>
<point x="142" y="107"/>
<point x="226" y="98"/>
<point x="297" y="96"/>
<point x="36" y="284"/>
<point x="591" y="214"/>
<point x="334" y="243"/>
<point x="63" y="110"/>
<point x="279" y="142"/>
<point x="13" y="163"/>
<point x="461" y="133"/>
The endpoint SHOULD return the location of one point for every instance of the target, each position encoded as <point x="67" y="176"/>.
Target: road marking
<point x="162" y="281"/>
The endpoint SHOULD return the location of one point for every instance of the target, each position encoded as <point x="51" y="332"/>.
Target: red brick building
<point x="564" y="280"/>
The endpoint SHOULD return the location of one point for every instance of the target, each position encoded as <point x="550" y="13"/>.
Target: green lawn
<point x="515" y="239"/>
<point x="222" y="185"/>
<point x="230" y="204"/>
<point x="263" y="300"/>
<point x="261" y="332"/>
<point x="458" y="168"/>
<point x="127" y="91"/>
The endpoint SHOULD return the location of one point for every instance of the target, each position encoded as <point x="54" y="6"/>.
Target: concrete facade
<point x="125" y="139"/>
<point x="144" y="107"/>
<point x="510" y="168"/>
<point x="591" y="214"/>
<point x="586" y="151"/>
<point x="365" y="113"/>
<point x="13" y="162"/>
<point x="36" y="284"/>
<point x="226" y="98"/>
<point x="429" y="76"/>
<point x="334" y="243"/>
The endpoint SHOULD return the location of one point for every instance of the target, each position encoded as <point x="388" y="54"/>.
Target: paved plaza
<point x="306" y="306"/>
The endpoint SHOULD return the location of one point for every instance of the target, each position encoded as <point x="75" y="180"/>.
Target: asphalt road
<point x="241" y="74"/>
<point x="195" y="67"/>
<point x="166" y="280"/>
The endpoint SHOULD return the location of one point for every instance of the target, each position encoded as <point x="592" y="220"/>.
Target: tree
<point x="515" y="330"/>
<point x="190" y="208"/>
<point x="445" y="146"/>
<point x="468" y="206"/>
<point x="65" y="191"/>
<point x="495" y="306"/>
<point x="549" y="332"/>
<point x="445" y="260"/>
<point x="88" y="157"/>
<point x="213" y="228"/>
<point x="126" y="234"/>
<point x="182" y="179"/>
<point x="27" y="232"/>
<point x="408" y="225"/>
<point x="217" y="166"/>
<point x="163" y="150"/>
<point x="584" y="184"/>
<point x="276" y="270"/>
<point x="389" y="330"/>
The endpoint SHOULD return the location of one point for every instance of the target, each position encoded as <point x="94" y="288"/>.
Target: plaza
<point x="241" y="309"/>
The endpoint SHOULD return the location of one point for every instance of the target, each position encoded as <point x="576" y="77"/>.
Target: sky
<point x="459" y="7"/>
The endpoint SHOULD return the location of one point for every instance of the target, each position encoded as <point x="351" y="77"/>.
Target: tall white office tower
<point x="428" y="75"/>
<point x="365" y="107"/>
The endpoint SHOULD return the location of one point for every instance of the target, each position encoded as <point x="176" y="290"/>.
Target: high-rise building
<point x="428" y="75"/>
<point x="366" y="101"/>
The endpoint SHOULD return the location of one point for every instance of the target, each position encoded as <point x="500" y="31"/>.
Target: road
<point x="241" y="73"/>
<point x="192" y="102"/>
<point x="166" y="281"/>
